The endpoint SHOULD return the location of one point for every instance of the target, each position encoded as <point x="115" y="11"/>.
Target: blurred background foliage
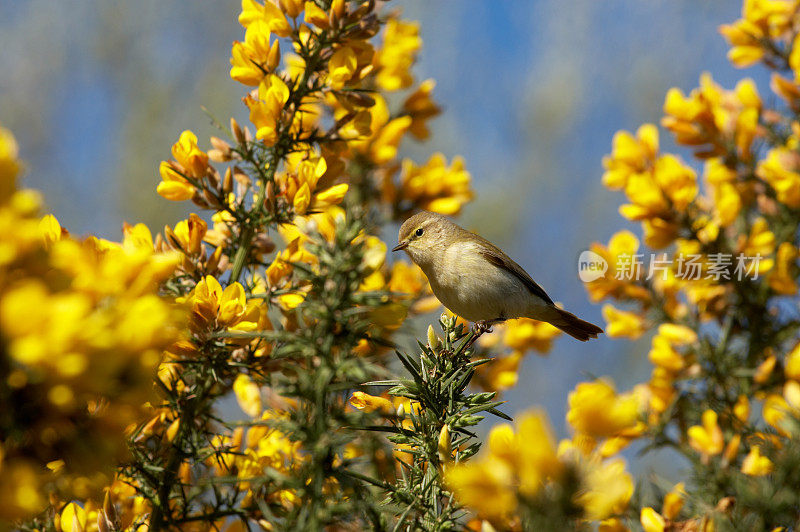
<point x="96" y="91"/>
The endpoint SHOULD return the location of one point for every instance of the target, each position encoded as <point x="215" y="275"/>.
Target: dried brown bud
<point x="767" y="205"/>
<point x="221" y="151"/>
<point x="363" y="10"/>
<point x="242" y="178"/>
<point x="367" y="28"/>
<point x="269" y="200"/>
<point x="238" y="134"/>
<point x="725" y="504"/>
<point x="172" y="239"/>
<point x="351" y="99"/>
<point x="159" y="244"/>
<point x="263" y="243"/>
<point x="771" y="117"/>
<point x="199" y="200"/>
<point x="211" y="199"/>
<point x="108" y="508"/>
<point x="103" y="524"/>
<point x="212" y="176"/>
<point x="239" y="355"/>
<point x="345" y="119"/>
<point x="223" y="263"/>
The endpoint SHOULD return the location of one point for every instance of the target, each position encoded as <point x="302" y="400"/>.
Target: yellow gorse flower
<point x="711" y="116"/>
<point x="9" y="165"/>
<point x="191" y="163"/>
<point x="518" y="463"/>
<point x="420" y="107"/>
<point x="781" y="169"/>
<point x="401" y="42"/>
<point x="622" y="324"/>
<point x="609" y="488"/>
<point x="341" y="67"/>
<point x="651" y="520"/>
<point x="782" y="277"/>
<point x="707" y="438"/>
<point x="370" y="403"/>
<point x="761" y="19"/>
<point x="597" y="411"/>
<point x="622" y="246"/>
<point x="83" y="330"/>
<point x="266" y="109"/>
<point x="255" y="57"/>
<point x="433" y="186"/>
<point x="525" y="334"/>
<point x="248" y="395"/>
<point x="756" y="465"/>
<point x="630" y="155"/>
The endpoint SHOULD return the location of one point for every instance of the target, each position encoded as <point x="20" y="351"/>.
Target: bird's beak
<point x="401" y="245"/>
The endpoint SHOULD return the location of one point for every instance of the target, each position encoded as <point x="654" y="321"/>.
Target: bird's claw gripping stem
<point x="478" y="329"/>
<point x="481" y="327"/>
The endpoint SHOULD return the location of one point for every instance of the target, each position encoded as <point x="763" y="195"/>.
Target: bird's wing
<point x="493" y="254"/>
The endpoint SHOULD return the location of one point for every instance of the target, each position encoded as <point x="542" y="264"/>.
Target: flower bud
<point x="292" y="8"/>
<point x="103" y="524"/>
<point x="221" y="152"/>
<point x="433" y="340"/>
<point x="211" y="199"/>
<point x="444" y="447"/>
<point x="337" y="12"/>
<point x="227" y="182"/>
<point x="213" y="261"/>
<point x="172" y="239"/>
<point x="172" y="431"/>
<point x="269" y="200"/>
<point x="238" y="134"/>
<point x="274" y="56"/>
<point x="110" y="512"/>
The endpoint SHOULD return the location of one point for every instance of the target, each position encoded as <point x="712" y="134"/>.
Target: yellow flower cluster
<point x="518" y="464"/>
<point x="713" y="118"/>
<point x="82" y="330"/>
<point x="598" y="414"/>
<point x="717" y="305"/>
<point x="432" y="186"/>
<point x="762" y="22"/>
<point x="190" y="166"/>
<point x="523" y="461"/>
<point x="249" y="455"/>
<point x="214" y="309"/>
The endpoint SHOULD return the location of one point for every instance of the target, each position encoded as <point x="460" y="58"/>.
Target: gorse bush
<point x="116" y="358"/>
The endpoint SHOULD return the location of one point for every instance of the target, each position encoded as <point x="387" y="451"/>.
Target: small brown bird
<point x="477" y="281"/>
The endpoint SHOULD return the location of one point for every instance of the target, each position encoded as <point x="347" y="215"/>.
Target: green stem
<point x="239" y="260"/>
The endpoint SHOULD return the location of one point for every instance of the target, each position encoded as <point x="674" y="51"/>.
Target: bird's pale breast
<point x="475" y="289"/>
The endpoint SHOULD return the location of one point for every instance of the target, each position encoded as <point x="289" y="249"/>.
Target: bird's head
<point x="423" y="234"/>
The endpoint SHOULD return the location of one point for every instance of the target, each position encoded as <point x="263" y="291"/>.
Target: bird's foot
<point x="481" y="327"/>
<point x="478" y="329"/>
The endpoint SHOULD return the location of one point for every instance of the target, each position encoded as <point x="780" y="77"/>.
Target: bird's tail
<point x="570" y="324"/>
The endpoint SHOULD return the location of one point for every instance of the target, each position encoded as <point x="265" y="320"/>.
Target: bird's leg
<point x="481" y="327"/>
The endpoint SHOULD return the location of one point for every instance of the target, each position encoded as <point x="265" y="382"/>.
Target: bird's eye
<point x="418" y="232"/>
